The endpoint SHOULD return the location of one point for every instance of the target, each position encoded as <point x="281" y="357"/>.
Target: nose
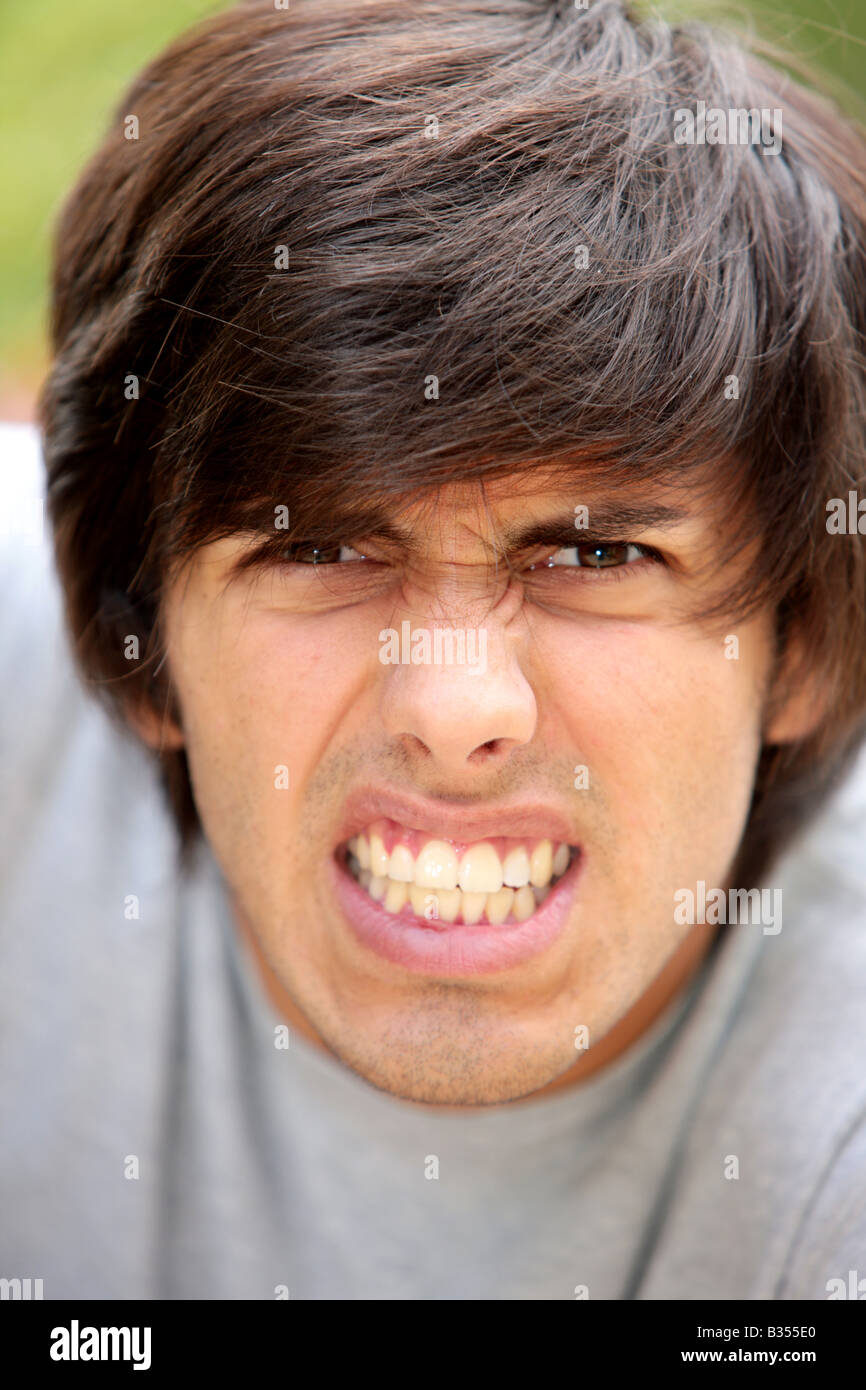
<point x="458" y="714"/>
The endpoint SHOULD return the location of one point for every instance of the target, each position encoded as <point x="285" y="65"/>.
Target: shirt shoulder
<point x="765" y="1177"/>
<point x="827" y="1257"/>
<point x="78" y="793"/>
<point x="802" y="1052"/>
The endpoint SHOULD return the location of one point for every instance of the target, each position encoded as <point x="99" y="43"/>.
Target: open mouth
<point x="498" y="881"/>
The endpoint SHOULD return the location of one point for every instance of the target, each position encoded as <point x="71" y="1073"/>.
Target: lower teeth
<point x="509" y="905"/>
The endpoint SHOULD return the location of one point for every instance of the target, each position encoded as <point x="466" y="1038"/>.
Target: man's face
<point x="591" y="709"/>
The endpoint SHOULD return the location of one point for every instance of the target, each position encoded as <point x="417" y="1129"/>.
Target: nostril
<point x="493" y="745"/>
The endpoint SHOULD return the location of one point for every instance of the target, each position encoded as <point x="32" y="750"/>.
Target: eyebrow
<point x="606" y="520"/>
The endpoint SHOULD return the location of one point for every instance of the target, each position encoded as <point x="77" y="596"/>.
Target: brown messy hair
<point x="327" y="205"/>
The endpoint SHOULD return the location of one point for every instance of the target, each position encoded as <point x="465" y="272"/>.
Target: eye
<point x="328" y="555"/>
<point x="598" y="555"/>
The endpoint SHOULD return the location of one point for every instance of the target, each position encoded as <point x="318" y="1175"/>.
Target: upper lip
<point x="450" y="820"/>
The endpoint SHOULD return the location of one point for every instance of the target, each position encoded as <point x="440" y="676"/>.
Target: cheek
<point x="671" y="729"/>
<point x="263" y="691"/>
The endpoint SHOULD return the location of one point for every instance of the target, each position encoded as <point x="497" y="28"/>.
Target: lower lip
<point x="455" y="950"/>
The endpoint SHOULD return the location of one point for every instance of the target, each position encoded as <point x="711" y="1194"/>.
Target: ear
<point x="162" y="732"/>
<point x="799" y="702"/>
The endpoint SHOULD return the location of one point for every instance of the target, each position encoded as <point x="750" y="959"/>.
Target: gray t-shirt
<point x="156" y="1142"/>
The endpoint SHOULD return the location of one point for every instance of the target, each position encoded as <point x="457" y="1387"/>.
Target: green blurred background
<point x="64" y="67"/>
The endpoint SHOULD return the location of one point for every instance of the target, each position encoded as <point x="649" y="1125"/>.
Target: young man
<point x="454" y="451"/>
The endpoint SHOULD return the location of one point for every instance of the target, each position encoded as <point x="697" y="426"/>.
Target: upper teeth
<point x="480" y="868"/>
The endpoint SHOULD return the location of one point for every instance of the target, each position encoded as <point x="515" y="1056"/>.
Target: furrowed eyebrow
<point x="613" y="521"/>
<point x="608" y="519"/>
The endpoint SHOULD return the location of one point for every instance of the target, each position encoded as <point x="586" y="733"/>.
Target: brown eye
<point x="328" y="555"/>
<point x="596" y="555"/>
<point x="601" y="556"/>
